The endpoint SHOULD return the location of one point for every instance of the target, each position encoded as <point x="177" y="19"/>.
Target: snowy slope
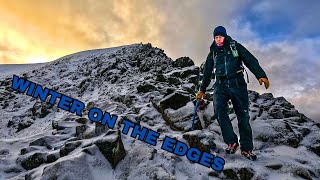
<point x="139" y="82"/>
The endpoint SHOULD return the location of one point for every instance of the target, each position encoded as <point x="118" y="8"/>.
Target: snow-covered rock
<point x="140" y="83"/>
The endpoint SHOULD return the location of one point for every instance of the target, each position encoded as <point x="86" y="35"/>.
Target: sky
<point x="284" y="35"/>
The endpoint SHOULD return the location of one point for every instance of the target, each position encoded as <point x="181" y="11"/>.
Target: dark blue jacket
<point x="226" y="65"/>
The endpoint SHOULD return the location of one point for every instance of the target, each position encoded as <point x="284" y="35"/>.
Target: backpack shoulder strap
<point x="234" y="48"/>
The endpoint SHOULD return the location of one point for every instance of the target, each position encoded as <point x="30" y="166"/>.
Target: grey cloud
<point x="301" y="14"/>
<point x="292" y="74"/>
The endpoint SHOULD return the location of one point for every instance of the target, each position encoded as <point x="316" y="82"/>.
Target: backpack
<point x="235" y="54"/>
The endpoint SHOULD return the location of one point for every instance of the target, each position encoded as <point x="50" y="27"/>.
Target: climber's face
<point x="219" y="39"/>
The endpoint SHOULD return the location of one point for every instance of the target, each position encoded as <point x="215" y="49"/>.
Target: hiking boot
<point x="232" y="148"/>
<point x="249" y="155"/>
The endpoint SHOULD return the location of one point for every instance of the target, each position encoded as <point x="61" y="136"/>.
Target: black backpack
<point x="235" y="54"/>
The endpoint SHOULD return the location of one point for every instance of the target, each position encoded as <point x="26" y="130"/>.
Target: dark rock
<point x="80" y="131"/>
<point x="69" y="147"/>
<point x="278" y="132"/>
<point x="41" y="109"/>
<point x="188" y="88"/>
<point x="183" y="62"/>
<point x="33" y="161"/>
<point x="13" y="170"/>
<point x="52" y="158"/>
<point x="4" y="151"/>
<point x="253" y="96"/>
<point x="56" y="125"/>
<point x="90" y="105"/>
<point x="91" y="150"/>
<point x="246" y="173"/>
<point x="290" y="113"/>
<point x="283" y="102"/>
<point x="27" y="150"/>
<point x="24" y="124"/>
<point x="303" y="173"/>
<point x="154" y="151"/>
<point x="10" y="123"/>
<point x="193" y="79"/>
<point x="110" y="131"/>
<point x="174" y="101"/>
<point x="173" y="80"/>
<point x="274" y="166"/>
<point x="43" y="141"/>
<point x="214" y="174"/>
<point x="161" y="78"/>
<point x="100" y="129"/>
<point x="81" y="120"/>
<point x="112" y="148"/>
<point x="276" y="112"/>
<point x="146" y="87"/>
<point x="199" y="140"/>
<point x="267" y="96"/>
<point x="169" y="91"/>
<point x="316" y="149"/>
<point x="230" y="173"/>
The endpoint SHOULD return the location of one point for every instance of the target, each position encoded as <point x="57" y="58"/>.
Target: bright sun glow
<point x="37" y="59"/>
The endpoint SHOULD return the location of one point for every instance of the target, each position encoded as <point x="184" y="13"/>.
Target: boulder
<point x="183" y="62"/>
<point x="57" y="125"/>
<point x="239" y="173"/>
<point x="73" y="168"/>
<point x="175" y="101"/>
<point x="180" y="119"/>
<point x="199" y="140"/>
<point x="69" y="147"/>
<point x="81" y="120"/>
<point x="33" y="161"/>
<point x="52" y="157"/>
<point x="146" y="87"/>
<point x="46" y="141"/>
<point x="80" y="130"/>
<point x="4" y="152"/>
<point x="112" y="148"/>
<point x="100" y="129"/>
<point x="276" y="132"/>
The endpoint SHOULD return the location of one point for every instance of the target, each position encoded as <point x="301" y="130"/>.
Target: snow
<point x="108" y="78"/>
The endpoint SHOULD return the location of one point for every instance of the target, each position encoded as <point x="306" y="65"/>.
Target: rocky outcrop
<point x="69" y="147"/>
<point x="112" y="148"/>
<point x="183" y="62"/>
<point x="199" y="140"/>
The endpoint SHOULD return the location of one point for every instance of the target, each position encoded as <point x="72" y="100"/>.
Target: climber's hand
<point x="265" y="81"/>
<point x="200" y="94"/>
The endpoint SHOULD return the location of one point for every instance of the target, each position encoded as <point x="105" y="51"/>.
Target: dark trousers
<point x="236" y="90"/>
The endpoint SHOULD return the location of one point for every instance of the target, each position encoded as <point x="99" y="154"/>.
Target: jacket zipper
<point x="225" y="66"/>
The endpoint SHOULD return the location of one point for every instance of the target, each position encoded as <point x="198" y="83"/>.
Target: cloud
<point x="291" y="66"/>
<point x="285" y="17"/>
<point x="188" y="26"/>
<point x="66" y="27"/>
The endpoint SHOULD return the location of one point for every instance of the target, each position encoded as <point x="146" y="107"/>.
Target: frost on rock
<point x="112" y="148"/>
<point x="140" y="83"/>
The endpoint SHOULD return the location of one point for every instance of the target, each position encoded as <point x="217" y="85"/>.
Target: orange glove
<point x="200" y="94"/>
<point x="266" y="82"/>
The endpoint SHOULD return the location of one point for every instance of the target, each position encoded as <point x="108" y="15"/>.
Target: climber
<point x="225" y="59"/>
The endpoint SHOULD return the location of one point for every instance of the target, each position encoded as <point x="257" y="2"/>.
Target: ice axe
<point x="195" y="112"/>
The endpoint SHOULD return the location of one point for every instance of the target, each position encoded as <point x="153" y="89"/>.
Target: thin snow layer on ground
<point x="130" y="81"/>
<point x="9" y="69"/>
